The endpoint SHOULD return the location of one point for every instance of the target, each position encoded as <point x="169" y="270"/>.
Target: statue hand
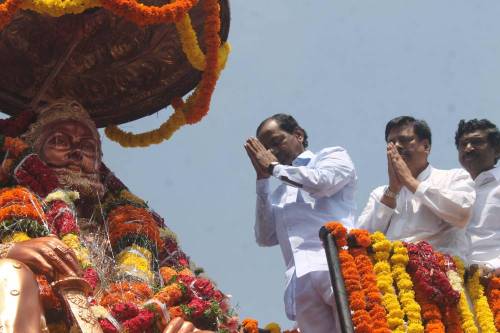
<point x="178" y="325"/>
<point x="46" y="255"/>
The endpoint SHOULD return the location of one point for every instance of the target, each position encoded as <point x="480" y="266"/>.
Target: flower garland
<point x="58" y="8"/>
<point x="399" y="260"/>
<point x="430" y="313"/>
<point x="140" y="245"/>
<point x="198" y="103"/>
<point x="429" y="285"/>
<point x="428" y="276"/>
<point x="352" y="280"/>
<point x="494" y="299"/>
<point x="382" y="248"/>
<point x="192" y="49"/>
<point x="484" y="316"/>
<point x="7" y="11"/>
<point x="466" y="316"/>
<point x="146" y="15"/>
<point x="369" y="281"/>
<point x="451" y="314"/>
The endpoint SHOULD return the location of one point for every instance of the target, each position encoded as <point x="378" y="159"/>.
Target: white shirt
<point x="292" y="216"/>
<point x="484" y="227"/>
<point x="437" y="212"/>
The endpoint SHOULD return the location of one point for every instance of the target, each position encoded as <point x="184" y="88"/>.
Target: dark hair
<point x="479" y="124"/>
<point x="420" y="127"/>
<point x="286" y="123"/>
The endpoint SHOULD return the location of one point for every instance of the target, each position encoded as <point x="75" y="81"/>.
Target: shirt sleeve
<point x="376" y="216"/>
<point x="453" y="203"/>
<point x="265" y="225"/>
<point x="331" y="172"/>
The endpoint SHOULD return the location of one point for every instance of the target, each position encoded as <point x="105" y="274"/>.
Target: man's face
<point x="413" y="150"/>
<point x="285" y="146"/>
<point x="475" y="152"/>
<point x="70" y="145"/>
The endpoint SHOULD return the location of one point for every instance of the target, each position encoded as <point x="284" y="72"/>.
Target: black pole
<point x="341" y="297"/>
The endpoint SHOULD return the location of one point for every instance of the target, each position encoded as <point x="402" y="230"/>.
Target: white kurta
<point x="437" y="212"/>
<point x="323" y="190"/>
<point x="484" y="227"/>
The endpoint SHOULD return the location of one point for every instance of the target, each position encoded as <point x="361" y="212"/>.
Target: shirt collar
<point x="425" y="173"/>
<point x="488" y="175"/>
<point x="303" y="158"/>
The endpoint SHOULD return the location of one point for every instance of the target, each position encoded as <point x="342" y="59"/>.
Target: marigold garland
<point x="58" y="8"/>
<point x="198" y="103"/>
<point x="430" y="313"/>
<point x="382" y="247"/>
<point x="484" y="316"/>
<point x="192" y="49"/>
<point x="494" y="299"/>
<point x="399" y="260"/>
<point x="352" y="280"/>
<point x="143" y="15"/>
<point x="466" y="316"/>
<point x="369" y="281"/>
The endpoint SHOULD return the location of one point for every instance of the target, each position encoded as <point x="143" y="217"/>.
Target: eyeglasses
<point x="473" y="142"/>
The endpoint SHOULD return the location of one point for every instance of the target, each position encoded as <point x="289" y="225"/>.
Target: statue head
<point x="66" y="138"/>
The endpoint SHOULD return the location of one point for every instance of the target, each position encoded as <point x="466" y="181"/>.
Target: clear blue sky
<point x="343" y="69"/>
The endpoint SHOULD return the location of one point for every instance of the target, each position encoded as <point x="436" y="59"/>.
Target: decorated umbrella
<point x="121" y="59"/>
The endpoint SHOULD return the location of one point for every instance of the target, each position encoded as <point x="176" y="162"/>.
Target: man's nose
<point x="398" y="144"/>
<point x="75" y="154"/>
<point x="468" y="147"/>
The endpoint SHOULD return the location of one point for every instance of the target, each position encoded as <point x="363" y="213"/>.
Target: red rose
<point x="123" y="311"/>
<point x="140" y="323"/>
<point x="186" y="279"/>
<point x="203" y="287"/>
<point x="198" y="307"/>
<point x="218" y="295"/>
<point x="107" y="327"/>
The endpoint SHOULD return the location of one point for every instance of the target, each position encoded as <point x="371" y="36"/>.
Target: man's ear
<point x="497" y="151"/>
<point x="299" y="134"/>
<point x="427" y="146"/>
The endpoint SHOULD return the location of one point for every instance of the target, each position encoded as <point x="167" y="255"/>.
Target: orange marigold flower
<point x="250" y="325"/>
<point x="338" y="231"/>
<point x="362" y="237"/>
<point x="167" y="273"/>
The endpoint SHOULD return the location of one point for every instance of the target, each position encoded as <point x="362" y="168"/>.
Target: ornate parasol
<point x="116" y="57"/>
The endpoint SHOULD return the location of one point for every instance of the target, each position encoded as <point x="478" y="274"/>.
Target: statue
<point x="72" y="232"/>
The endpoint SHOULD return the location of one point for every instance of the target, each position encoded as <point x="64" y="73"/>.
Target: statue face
<point x="71" y="146"/>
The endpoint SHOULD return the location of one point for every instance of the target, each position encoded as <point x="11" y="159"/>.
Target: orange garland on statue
<point x="7" y="11"/>
<point x="121" y="222"/>
<point x="145" y="15"/>
<point x="210" y="75"/>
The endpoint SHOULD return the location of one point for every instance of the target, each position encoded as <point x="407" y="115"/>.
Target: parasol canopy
<point x="117" y="70"/>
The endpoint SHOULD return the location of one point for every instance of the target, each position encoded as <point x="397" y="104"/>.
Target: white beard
<point x="88" y="185"/>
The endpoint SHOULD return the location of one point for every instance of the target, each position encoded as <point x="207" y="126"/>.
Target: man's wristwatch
<point x="271" y="166"/>
<point x="388" y="193"/>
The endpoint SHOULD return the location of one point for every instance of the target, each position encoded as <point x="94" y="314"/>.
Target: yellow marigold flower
<point x="273" y="328"/>
<point x="18" y="236"/>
